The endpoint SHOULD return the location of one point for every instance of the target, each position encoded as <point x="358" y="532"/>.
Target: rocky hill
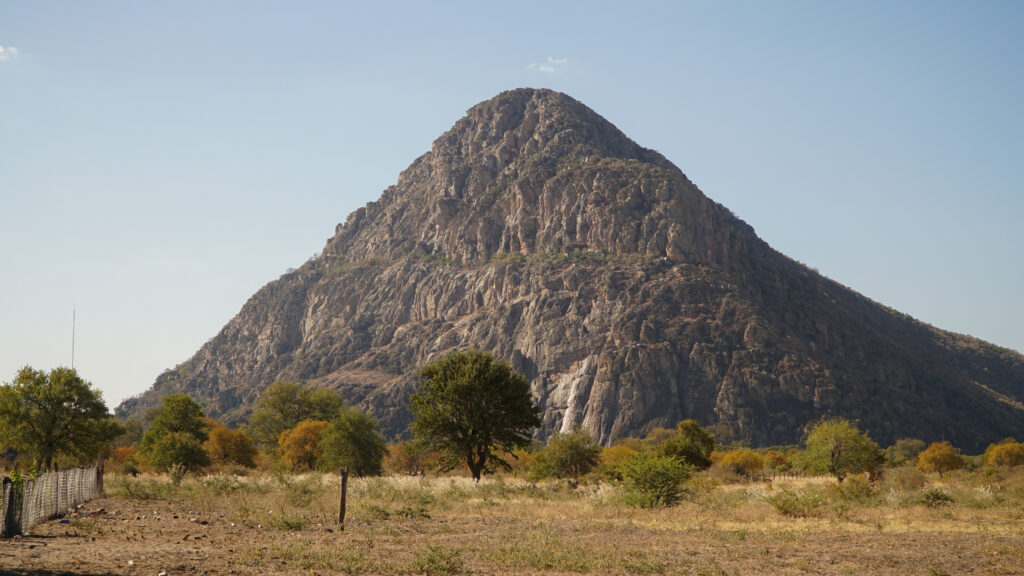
<point x="537" y="230"/>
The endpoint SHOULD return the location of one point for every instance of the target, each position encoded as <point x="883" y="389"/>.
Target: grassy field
<point x="905" y="524"/>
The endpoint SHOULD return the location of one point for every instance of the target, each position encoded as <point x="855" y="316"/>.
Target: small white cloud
<point x="550" y="66"/>
<point x="8" y="53"/>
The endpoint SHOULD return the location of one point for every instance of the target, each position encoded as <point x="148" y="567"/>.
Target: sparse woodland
<point x="186" y="494"/>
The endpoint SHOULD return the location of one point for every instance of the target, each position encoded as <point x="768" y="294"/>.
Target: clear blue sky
<point x="159" y="162"/>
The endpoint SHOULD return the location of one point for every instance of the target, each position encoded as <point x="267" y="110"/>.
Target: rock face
<point x="537" y="230"/>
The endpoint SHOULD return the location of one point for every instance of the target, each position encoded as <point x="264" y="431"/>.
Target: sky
<point x="160" y="162"/>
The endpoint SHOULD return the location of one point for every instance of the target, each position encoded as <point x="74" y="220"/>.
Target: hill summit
<point x="535" y="229"/>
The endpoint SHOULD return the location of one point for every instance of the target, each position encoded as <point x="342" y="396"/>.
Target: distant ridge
<point x="537" y="230"/>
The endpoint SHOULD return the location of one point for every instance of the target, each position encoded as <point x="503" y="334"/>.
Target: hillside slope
<point x="537" y="230"/>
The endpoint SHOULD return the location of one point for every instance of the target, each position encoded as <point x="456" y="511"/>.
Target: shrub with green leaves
<point x="796" y="504"/>
<point x="568" y="455"/>
<point x="691" y="445"/>
<point x="656" y="480"/>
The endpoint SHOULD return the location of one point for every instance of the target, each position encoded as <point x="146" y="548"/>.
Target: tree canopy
<point x="300" y="446"/>
<point x="691" y="445"/>
<point x="228" y="446"/>
<point x="568" y="455"/>
<point x="939" y="457"/>
<point x="838" y="447"/>
<point x="469" y="407"/>
<point x="55" y="415"/>
<point x="176" y="434"/>
<point x="283" y="405"/>
<point x="353" y="440"/>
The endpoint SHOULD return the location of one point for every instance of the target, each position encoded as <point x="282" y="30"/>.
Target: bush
<point x="905" y="450"/>
<point x="612" y="459"/>
<point x="227" y="446"/>
<point x="904" y="479"/>
<point x="855" y="489"/>
<point x="1009" y="452"/>
<point x="568" y="455"/>
<point x="934" y="497"/>
<point x="744" y="462"/>
<point x="177" y="449"/>
<point x="796" y="504"/>
<point x="692" y="445"/>
<point x="300" y="446"/>
<point x="436" y="560"/>
<point x="940" y="457"/>
<point x="656" y="480"/>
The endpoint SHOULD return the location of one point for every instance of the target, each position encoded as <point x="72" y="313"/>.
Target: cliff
<point x="537" y="230"/>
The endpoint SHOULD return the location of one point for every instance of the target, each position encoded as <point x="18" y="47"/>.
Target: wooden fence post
<point x="344" y="494"/>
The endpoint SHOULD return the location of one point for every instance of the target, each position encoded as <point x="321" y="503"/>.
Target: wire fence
<point x="30" y="502"/>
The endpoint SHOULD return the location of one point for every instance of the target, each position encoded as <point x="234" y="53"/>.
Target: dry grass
<point x="404" y="525"/>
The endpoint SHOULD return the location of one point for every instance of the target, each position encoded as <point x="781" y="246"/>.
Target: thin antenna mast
<point x="73" y="313"/>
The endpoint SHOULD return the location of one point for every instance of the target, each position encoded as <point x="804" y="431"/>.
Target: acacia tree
<point x="838" y="447"/>
<point x="54" y="415"/>
<point x="283" y="405"/>
<point x="469" y="407"/>
<point x="353" y="440"/>
<point x="176" y="435"/>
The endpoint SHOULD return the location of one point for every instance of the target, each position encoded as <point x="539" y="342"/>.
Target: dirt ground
<point x="117" y="535"/>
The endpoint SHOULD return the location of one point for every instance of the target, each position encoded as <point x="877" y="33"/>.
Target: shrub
<point x="904" y="479"/>
<point x="905" y="450"/>
<point x="300" y="446"/>
<point x="227" y="446"/>
<point x="856" y="489"/>
<point x="940" y="457"/>
<point x="612" y="458"/>
<point x="1009" y="453"/>
<point x="744" y="461"/>
<point x="776" y="461"/>
<point x="692" y="445"/>
<point x="437" y="561"/>
<point x="569" y="455"/>
<point x="656" y="480"/>
<point x="934" y="497"/>
<point x="796" y="504"/>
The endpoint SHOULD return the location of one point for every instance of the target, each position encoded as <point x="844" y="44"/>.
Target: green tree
<point x="905" y="450"/>
<point x="656" y="479"/>
<point x="470" y="406"/>
<point x="691" y="445"/>
<point x="567" y="455"/>
<point x="837" y="447"/>
<point x="283" y="405"/>
<point x="55" y="415"/>
<point x="176" y="435"/>
<point x="353" y="440"/>
<point x="940" y="457"/>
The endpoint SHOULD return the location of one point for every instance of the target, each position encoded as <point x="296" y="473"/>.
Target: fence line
<point x="46" y="497"/>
